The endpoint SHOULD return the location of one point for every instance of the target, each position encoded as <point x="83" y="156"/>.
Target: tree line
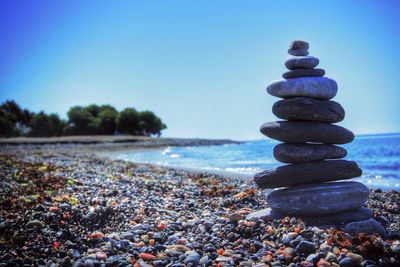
<point x="82" y="120"/>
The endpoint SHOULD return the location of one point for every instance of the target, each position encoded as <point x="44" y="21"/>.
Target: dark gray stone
<point x="307" y="172"/>
<point x="318" y="199"/>
<point x="302" y="62"/>
<point x="298" y="48"/>
<point x="295" y="153"/>
<point x="303" y="73"/>
<point x="316" y="87"/>
<point x="127" y="235"/>
<point x="309" y="109"/>
<point x="306" y="247"/>
<point x="369" y="226"/>
<point x="338" y="219"/>
<point x="306" y="131"/>
<point x="35" y="224"/>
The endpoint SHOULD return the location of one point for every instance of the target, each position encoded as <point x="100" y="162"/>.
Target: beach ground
<point x="63" y="205"/>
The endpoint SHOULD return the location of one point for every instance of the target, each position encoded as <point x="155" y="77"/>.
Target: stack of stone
<point x="309" y="148"/>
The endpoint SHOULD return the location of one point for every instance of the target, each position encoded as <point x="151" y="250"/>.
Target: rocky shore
<point x="61" y="205"/>
<point x="96" y="143"/>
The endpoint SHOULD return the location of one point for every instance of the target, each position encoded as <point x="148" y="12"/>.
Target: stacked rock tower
<point x="309" y="149"/>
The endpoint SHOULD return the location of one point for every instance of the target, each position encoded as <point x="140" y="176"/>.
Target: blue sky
<point x="202" y="66"/>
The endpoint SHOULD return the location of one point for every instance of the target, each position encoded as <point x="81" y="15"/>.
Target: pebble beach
<point x="63" y="205"/>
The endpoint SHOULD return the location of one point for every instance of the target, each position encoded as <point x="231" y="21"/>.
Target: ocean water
<point x="377" y="155"/>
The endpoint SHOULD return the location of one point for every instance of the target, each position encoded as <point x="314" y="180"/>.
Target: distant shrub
<point x="107" y="121"/>
<point x="7" y="128"/>
<point x="80" y="121"/>
<point x="150" y="124"/>
<point x="56" y="125"/>
<point x="40" y="125"/>
<point x="89" y="120"/>
<point x="128" y="122"/>
<point x="14" y="120"/>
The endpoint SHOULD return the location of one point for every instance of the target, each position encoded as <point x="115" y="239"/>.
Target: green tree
<point x="80" y="121"/>
<point x="93" y="109"/>
<point x="107" y="120"/>
<point x="7" y="127"/>
<point x="128" y="122"/>
<point x="40" y="125"/>
<point x="12" y="109"/>
<point x="19" y="119"/>
<point x="151" y="124"/>
<point x="56" y="125"/>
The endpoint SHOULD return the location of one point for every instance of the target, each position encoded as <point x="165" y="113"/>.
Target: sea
<point x="377" y="155"/>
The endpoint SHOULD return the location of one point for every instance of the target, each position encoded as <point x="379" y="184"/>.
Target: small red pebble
<point x="96" y="235"/>
<point x="147" y="256"/>
<point x="54" y="209"/>
<point x="285" y="220"/>
<point x="269" y="257"/>
<point x="323" y="263"/>
<point x="161" y="226"/>
<point x="220" y="251"/>
<point x="56" y="244"/>
<point x="297" y="229"/>
<point x="62" y="222"/>
<point x="218" y="264"/>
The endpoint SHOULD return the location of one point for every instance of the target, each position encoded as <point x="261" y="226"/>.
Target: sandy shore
<point x="62" y="204"/>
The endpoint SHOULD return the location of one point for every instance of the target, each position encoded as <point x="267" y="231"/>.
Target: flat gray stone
<point x="318" y="199"/>
<point x="369" y="226"/>
<point x="302" y="62"/>
<point x="337" y="219"/>
<point x="298" y="48"/>
<point x="264" y="214"/>
<point x="303" y="73"/>
<point x="307" y="172"/>
<point x="295" y="153"/>
<point x="306" y="131"/>
<point x="316" y="87"/>
<point x="309" y="109"/>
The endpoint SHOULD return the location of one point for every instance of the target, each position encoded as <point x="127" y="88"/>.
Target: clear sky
<point x="202" y="66"/>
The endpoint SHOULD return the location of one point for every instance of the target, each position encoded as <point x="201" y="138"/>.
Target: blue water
<point x="377" y="155"/>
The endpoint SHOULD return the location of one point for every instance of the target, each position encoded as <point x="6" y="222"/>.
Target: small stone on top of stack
<point x="314" y="161"/>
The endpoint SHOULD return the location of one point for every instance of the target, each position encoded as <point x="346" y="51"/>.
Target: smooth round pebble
<point x="317" y="199"/>
<point x="307" y="172"/>
<point x="316" y="87"/>
<point x="298" y="48"/>
<point x="295" y="73"/>
<point x="309" y="109"/>
<point x="370" y="226"/>
<point x="338" y="219"/>
<point x="306" y="247"/>
<point x="296" y="153"/>
<point x="301" y="62"/>
<point x="306" y="131"/>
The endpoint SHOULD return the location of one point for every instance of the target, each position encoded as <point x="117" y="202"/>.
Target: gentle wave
<point x="377" y="155"/>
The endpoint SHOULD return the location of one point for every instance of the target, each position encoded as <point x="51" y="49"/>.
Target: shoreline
<point x="114" y="139"/>
<point x="247" y="178"/>
<point x="70" y="206"/>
